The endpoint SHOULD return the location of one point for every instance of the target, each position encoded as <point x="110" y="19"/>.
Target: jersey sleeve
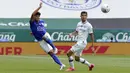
<point x="90" y="29"/>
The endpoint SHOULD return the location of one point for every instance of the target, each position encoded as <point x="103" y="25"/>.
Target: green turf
<point x="44" y="64"/>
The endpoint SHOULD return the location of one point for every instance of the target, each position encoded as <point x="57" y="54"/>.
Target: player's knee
<point x="50" y="53"/>
<point x="69" y="53"/>
<point x="44" y="38"/>
<point x="77" y="58"/>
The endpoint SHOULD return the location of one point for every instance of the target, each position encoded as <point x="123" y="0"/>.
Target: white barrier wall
<point x="24" y="8"/>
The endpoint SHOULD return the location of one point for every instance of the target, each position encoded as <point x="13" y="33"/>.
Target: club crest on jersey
<point x="73" y="4"/>
<point x="42" y="23"/>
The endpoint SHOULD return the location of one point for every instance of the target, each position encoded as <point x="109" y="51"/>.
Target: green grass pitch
<point x="44" y="64"/>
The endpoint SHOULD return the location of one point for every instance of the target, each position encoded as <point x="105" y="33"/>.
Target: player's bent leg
<point x="83" y="61"/>
<point x="78" y="53"/>
<point x="48" y="49"/>
<point x="77" y="58"/>
<point x="69" y="53"/>
<point x="55" y="58"/>
<point x="49" y="42"/>
<point x="70" y="58"/>
<point x="47" y="38"/>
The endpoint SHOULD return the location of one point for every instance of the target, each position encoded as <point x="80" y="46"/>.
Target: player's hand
<point x="70" y="35"/>
<point x="93" y="50"/>
<point x="40" y="5"/>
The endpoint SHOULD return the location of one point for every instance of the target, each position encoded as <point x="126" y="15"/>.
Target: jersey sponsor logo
<point x="73" y="4"/>
<point x="42" y="23"/>
<point x="40" y="28"/>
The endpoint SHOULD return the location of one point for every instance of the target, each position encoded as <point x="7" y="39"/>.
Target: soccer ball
<point x="105" y="8"/>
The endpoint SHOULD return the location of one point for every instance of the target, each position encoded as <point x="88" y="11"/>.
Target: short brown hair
<point x="84" y="12"/>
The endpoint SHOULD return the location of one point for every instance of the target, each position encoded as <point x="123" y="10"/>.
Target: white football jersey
<point x="83" y="29"/>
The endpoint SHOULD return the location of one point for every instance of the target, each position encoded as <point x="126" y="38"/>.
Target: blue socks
<point x="55" y="58"/>
<point x="50" y="43"/>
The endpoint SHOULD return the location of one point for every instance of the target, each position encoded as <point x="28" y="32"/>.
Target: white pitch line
<point x="39" y="57"/>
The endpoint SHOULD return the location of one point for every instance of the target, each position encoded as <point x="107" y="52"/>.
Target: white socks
<point x="71" y="61"/>
<point x="84" y="61"/>
<point x="81" y="60"/>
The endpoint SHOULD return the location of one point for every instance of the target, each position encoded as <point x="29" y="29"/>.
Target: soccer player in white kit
<point x="84" y="28"/>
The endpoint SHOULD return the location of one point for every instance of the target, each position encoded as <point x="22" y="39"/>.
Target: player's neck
<point x="37" y="21"/>
<point x="84" y="21"/>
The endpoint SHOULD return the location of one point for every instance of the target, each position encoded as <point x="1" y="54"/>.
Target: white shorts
<point x="44" y="45"/>
<point x="78" y="48"/>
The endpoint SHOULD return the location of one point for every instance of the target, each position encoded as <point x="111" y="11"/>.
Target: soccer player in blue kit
<point x="39" y="32"/>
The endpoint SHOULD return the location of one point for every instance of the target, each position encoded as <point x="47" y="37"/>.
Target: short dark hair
<point x="84" y="12"/>
<point x="38" y="13"/>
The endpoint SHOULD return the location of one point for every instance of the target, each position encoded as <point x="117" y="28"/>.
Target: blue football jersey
<point x="38" y="29"/>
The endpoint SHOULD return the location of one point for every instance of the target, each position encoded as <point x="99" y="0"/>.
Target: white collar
<point x="84" y="22"/>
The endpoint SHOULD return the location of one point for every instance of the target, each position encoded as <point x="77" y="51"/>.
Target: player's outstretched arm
<point x="92" y="38"/>
<point x="73" y="33"/>
<point x="32" y="16"/>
